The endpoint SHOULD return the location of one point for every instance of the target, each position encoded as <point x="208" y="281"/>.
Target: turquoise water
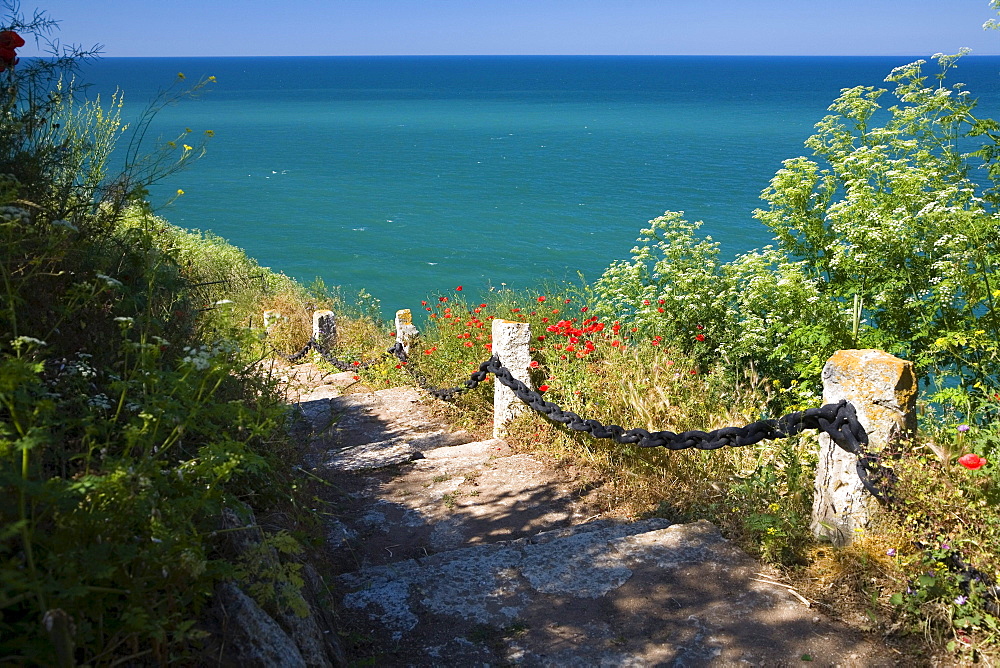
<point x="410" y="176"/>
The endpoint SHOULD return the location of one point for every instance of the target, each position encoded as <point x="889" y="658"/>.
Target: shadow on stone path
<point x="455" y="551"/>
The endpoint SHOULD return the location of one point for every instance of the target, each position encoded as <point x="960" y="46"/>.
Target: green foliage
<point x="673" y="287"/>
<point x="759" y="314"/>
<point x="887" y="216"/>
<point x="129" y="416"/>
<point x="883" y="240"/>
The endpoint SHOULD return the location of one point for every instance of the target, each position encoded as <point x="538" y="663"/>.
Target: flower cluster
<point x="972" y="461"/>
<point x="574" y="334"/>
<point x="10" y="41"/>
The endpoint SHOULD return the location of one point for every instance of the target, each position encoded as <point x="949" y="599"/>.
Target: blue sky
<point x="465" y="27"/>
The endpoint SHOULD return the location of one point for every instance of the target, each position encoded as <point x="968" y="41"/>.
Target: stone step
<point x="400" y="419"/>
<point x="597" y="594"/>
<point x="445" y="498"/>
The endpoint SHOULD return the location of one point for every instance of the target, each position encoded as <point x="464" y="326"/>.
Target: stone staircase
<point x="451" y="550"/>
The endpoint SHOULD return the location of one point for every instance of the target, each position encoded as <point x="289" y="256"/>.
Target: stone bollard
<point x="406" y="332"/>
<point x="325" y="328"/>
<point x="271" y="318"/>
<point x="512" y="344"/>
<point x="883" y="390"/>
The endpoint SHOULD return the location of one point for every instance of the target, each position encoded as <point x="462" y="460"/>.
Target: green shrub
<point x="129" y="414"/>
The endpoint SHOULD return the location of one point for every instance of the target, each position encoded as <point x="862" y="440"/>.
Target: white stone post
<point x="883" y="390"/>
<point x="325" y="328"/>
<point x="406" y="332"/>
<point x="271" y="318"/>
<point x="512" y="344"/>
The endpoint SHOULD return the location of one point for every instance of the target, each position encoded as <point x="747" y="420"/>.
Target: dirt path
<point x="452" y="550"/>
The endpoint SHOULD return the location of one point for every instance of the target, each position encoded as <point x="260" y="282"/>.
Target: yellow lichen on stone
<point x="883" y="389"/>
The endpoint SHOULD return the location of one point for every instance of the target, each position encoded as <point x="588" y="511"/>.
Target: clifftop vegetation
<point x="136" y="403"/>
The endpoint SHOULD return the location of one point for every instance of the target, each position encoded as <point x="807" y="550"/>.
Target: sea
<point x="407" y="177"/>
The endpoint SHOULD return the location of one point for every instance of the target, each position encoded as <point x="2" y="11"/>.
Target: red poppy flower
<point x="972" y="461"/>
<point x="534" y="364"/>
<point x="442" y="299"/>
<point x="543" y="388"/>
<point x="458" y="289"/>
<point x="583" y="310"/>
<point x="700" y="337"/>
<point x="423" y="303"/>
<point x="541" y="300"/>
<point x="9" y="41"/>
<point x="356" y="377"/>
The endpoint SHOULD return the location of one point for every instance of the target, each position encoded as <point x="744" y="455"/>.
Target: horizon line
<point x="557" y="55"/>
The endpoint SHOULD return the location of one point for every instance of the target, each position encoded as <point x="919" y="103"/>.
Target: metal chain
<point x="839" y="421"/>
<point x="321" y="350"/>
<point x="397" y="351"/>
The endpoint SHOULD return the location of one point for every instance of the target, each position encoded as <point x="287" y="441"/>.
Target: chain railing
<point x="839" y="421"/>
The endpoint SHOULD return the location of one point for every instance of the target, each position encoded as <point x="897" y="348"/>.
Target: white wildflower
<point x="112" y="282"/>
<point x="27" y="341"/>
<point x="100" y="401"/>
<point x="65" y="224"/>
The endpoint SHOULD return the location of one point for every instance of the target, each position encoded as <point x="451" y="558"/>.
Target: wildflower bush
<point x="626" y="375"/>
<point x="886" y="237"/>
<point x="883" y="239"/>
<point x="131" y="410"/>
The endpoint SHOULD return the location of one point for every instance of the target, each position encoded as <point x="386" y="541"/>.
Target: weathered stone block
<point x="406" y="332"/>
<point x="883" y="390"/>
<point x="271" y="319"/>
<point x="512" y="344"/>
<point x="325" y="328"/>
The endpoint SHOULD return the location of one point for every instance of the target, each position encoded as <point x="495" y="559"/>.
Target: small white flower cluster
<point x="201" y="357"/>
<point x="65" y="224"/>
<point x="14" y="214"/>
<point x="26" y="341"/>
<point x="100" y="401"/>
<point x="112" y="282"/>
<point x="81" y="367"/>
